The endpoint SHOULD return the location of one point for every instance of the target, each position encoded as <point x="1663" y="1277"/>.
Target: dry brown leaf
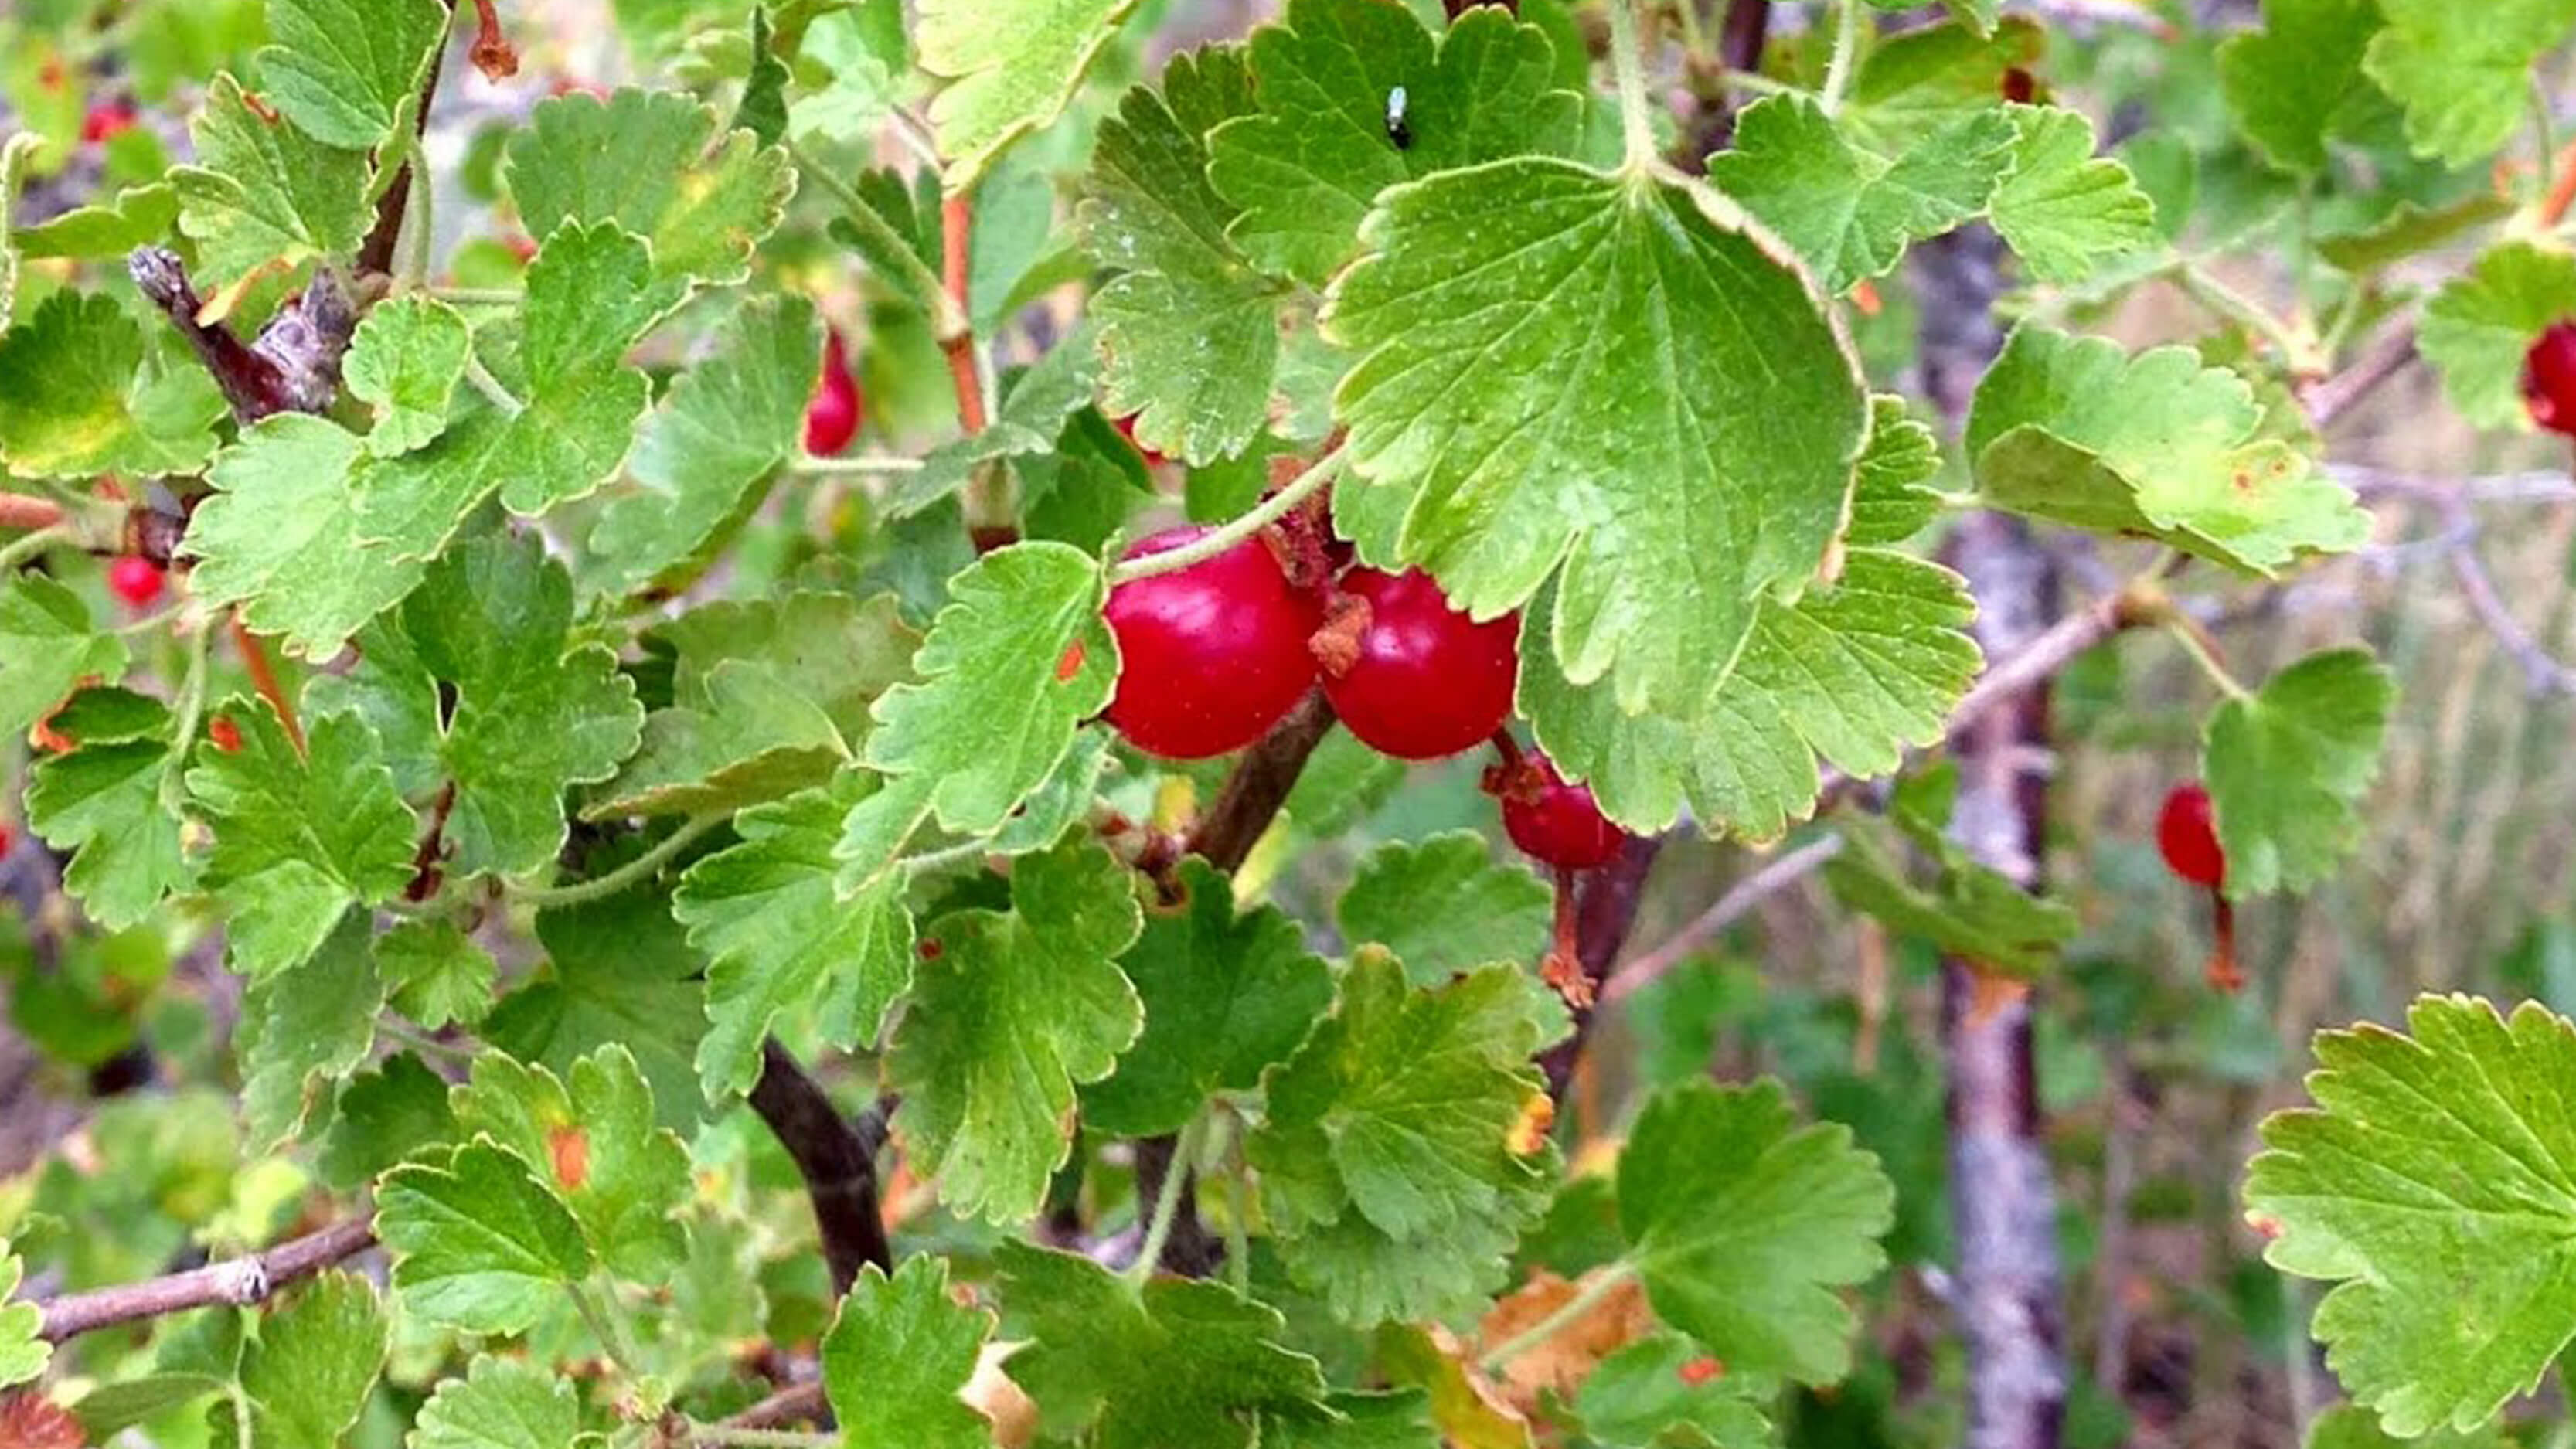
<point x="1568" y="1356"/>
<point x="29" y="1420"/>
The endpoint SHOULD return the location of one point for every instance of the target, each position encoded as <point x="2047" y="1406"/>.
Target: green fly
<point x="1396" y="130"/>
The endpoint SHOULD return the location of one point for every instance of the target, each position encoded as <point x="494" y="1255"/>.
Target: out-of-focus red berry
<point x="2549" y="378"/>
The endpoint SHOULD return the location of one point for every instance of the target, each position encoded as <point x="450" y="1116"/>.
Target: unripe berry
<point x="1420" y="679"/>
<point x="2188" y="839"/>
<point x="135" y="579"/>
<point x="1212" y="655"/>
<point x="1557" y="823"/>
<point x="832" y="416"/>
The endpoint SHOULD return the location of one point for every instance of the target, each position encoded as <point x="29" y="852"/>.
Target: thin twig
<point x="2383" y="359"/>
<point x="2542" y="672"/>
<point x="376" y="254"/>
<point x="1775" y="875"/>
<point x="1251" y="796"/>
<point x="240" y="1282"/>
<point x="264" y="679"/>
<point x="18" y="510"/>
<point x="795" y="1404"/>
<point x="640" y="868"/>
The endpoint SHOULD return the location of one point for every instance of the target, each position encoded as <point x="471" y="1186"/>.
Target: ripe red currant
<point x="2549" y="378"/>
<point x="2185" y="835"/>
<point x="832" y="417"/>
<point x="1557" y="823"/>
<point x="1421" y="680"/>
<point x="106" y="120"/>
<point x="135" y="579"/>
<point x="1214" y="654"/>
<point x="1127" y="427"/>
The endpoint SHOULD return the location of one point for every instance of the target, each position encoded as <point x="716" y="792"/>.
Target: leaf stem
<point x="263" y="678"/>
<point x="192" y="707"/>
<point x="20" y="550"/>
<point x="1628" y="58"/>
<point x="491" y="388"/>
<point x="1238" y="1214"/>
<point x="2298" y="345"/>
<point x="1838" y="71"/>
<point x="2188" y="634"/>
<point x="640" y="868"/>
<point x="1603" y="1284"/>
<point x="883" y="463"/>
<point x="1167" y="1203"/>
<point x="479" y="296"/>
<point x="415" y="267"/>
<point x="911" y="272"/>
<point x="1758" y="83"/>
<point x="1217" y="540"/>
<point x="611" y="1335"/>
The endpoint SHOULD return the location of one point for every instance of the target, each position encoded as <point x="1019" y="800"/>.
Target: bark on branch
<point x="239" y="1282"/>
<point x="835" y="1157"/>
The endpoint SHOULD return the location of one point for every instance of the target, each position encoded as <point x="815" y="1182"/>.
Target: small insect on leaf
<point x="1396" y="130"/>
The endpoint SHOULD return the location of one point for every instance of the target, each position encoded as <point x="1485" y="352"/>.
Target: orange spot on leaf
<point x="1700" y="1370"/>
<point x="1069" y="663"/>
<point x="569" y="1147"/>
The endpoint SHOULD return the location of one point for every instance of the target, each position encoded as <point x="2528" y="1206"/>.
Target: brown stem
<point x="20" y="510"/>
<point x="1604" y="913"/>
<point x="1775" y="875"/>
<point x="491" y="54"/>
<point x="956" y="221"/>
<point x="264" y="679"/>
<point x="376" y="254"/>
<point x="240" y="1282"/>
<point x="1251" y="796"/>
<point x="837" y="1161"/>
<point x="426" y="871"/>
<point x="795" y="1404"/>
<point x="2562" y="190"/>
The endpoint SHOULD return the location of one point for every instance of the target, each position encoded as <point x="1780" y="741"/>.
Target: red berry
<point x="2185" y="835"/>
<point x="2549" y="378"/>
<point x="6" y="840"/>
<point x="1213" y="654"/>
<point x="1127" y="427"/>
<point x="2018" y="85"/>
<point x="832" y="417"/>
<point x="136" y="579"/>
<point x="1557" y="823"/>
<point x="106" y="121"/>
<point x="1423" y="679"/>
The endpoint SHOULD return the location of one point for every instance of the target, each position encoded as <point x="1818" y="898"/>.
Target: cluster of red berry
<point x="1220" y="651"/>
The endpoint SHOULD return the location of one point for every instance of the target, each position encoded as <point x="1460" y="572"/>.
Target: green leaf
<point x="1009" y="1012"/>
<point x="1189" y="329"/>
<point x="263" y="194"/>
<point x="1849" y="211"/>
<point x="501" y="1403"/>
<point x="1171" y="1362"/>
<point x="1386" y="1419"/>
<point x="781" y="938"/>
<point x="279" y="537"/>
<point x="23" y="1351"/>
<point x="1225" y="995"/>
<point x="997" y="705"/>
<point x="2291" y="84"/>
<point x="591" y="295"/>
<point x="1030" y="420"/>
<point x="2062" y="209"/>
<point x="853" y="85"/>
<point x="2287" y="769"/>
<point x="82" y="393"/>
<point x="1304" y="168"/>
<point x="1855" y="674"/>
<point x="404" y="364"/>
<point x="478" y="1244"/>
<point x="2434" y="1183"/>
<point x="306" y="1027"/>
<point x="2073" y="430"/>
<point x="1386" y="1158"/>
<point x="595" y="1146"/>
<point x="2477" y="328"/>
<point x="133" y="217"/>
<point x="763" y="108"/>
<point x="651" y="162"/>
<point x="385" y="1116"/>
<point x="299" y="838"/>
<point x="1444" y="905"/>
<point x="102" y="803"/>
<point x="530" y="714"/>
<point x="1593" y="453"/>
<point x="1889" y="502"/>
<point x="436" y="972"/>
<point x="343" y="70"/>
<point x="309" y="1373"/>
<point x="725" y="424"/>
<point x="619" y="973"/>
<point x="1648" y="1395"/>
<point x="2350" y="1426"/>
<point x="2411" y="230"/>
<point x="1969" y="909"/>
<point x="2464" y="76"/>
<point x="1743" y="1224"/>
<point x="898" y="1356"/>
<point x="48" y="645"/>
<point x="1011" y="65"/>
<point x="768" y="698"/>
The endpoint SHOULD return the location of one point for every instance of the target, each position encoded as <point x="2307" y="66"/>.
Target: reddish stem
<point x="956" y="218"/>
<point x="19" y="510"/>
<point x="2562" y="191"/>
<point x="264" y="679"/>
<point x="2224" y="974"/>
